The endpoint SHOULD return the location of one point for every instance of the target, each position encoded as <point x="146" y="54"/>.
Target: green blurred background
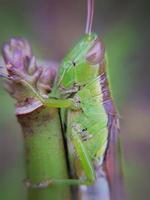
<point x="52" y="27"/>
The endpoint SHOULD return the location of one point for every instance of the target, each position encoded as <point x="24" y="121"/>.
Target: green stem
<point x="44" y="152"/>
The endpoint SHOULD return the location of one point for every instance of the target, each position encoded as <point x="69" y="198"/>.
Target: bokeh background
<point x="53" y="27"/>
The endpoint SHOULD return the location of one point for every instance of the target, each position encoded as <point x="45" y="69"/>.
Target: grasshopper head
<point x="82" y="63"/>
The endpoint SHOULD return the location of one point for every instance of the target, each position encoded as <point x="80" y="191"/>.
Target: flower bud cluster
<point x="21" y="68"/>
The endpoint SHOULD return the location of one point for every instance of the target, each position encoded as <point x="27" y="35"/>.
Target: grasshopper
<point x="91" y="119"/>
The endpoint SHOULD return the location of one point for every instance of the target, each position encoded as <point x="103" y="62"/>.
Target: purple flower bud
<point x="16" y="52"/>
<point x="46" y="79"/>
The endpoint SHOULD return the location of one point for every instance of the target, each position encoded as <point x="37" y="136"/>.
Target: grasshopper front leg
<point x="49" y="102"/>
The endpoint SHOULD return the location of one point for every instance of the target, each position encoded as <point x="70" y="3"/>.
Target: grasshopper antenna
<point x="90" y="11"/>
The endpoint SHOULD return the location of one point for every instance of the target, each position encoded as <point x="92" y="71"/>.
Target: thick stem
<point x="44" y="153"/>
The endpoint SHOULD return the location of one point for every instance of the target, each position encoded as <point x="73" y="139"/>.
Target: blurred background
<point x="52" y="28"/>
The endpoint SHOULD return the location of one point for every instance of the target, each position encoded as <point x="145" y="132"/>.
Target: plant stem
<point x="44" y="153"/>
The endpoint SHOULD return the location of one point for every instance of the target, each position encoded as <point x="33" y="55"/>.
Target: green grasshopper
<point x="82" y="89"/>
<point x="92" y="120"/>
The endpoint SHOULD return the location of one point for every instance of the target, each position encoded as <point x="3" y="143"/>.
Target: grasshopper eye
<point x="96" y="53"/>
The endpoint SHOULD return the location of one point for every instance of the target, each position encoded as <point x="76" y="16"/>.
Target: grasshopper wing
<point x="113" y="160"/>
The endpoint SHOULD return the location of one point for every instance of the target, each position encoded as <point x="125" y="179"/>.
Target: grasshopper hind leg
<point x="86" y="164"/>
<point x="84" y="159"/>
<point x="83" y="156"/>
